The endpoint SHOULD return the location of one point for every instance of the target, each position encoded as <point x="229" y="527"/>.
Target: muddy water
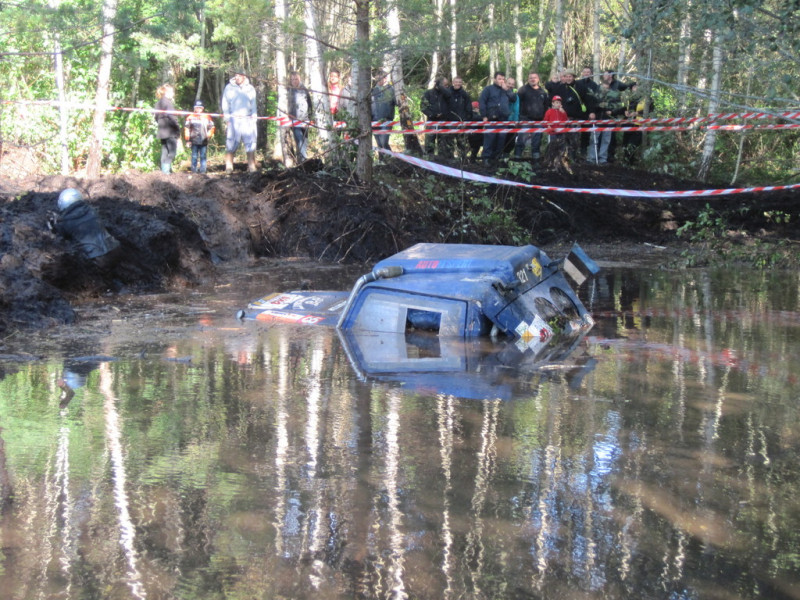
<point x="203" y="458"/>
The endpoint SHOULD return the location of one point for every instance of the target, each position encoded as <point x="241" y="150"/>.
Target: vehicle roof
<point x="499" y="261"/>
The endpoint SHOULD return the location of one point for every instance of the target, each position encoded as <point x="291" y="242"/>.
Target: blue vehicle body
<point x="452" y="290"/>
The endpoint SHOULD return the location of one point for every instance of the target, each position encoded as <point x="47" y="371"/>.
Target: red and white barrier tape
<point x="469" y="176"/>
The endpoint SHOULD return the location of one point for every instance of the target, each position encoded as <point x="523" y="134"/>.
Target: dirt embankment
<point x="175" y="228"/>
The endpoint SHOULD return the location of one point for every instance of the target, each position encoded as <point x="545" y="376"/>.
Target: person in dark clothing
<point x="495" y="103"/>
<point x="459" y="109"/>
<point x="617" y="87"/>
<point x="168" y="127"/>
<point x="384" y="105"/>
<point x="632" y="140"/>
<point x="475" y="140"/>
<point x="197" y="130"/>
<point x="533" y="103"/>
<point x="435" y="106"/>
<point x="78" y="221"/>
<point x="589" y="90"/>
<point x="571" y="102"/>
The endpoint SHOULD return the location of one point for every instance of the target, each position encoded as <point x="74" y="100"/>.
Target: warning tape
<point x="666" y="120"/>
<point x="462" y="127"/>
<point x="467" y="175"/>
<point x="496" y="127"/>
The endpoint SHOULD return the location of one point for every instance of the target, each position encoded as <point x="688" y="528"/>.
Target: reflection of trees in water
<point x="278" y="474"/>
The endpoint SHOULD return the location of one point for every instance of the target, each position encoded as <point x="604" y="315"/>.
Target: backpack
<point x="198" y="131"/>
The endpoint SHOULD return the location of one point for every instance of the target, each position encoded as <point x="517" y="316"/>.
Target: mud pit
<point x="176" y="230"/>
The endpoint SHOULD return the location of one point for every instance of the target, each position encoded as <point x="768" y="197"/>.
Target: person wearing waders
<point x="78" y="221"/>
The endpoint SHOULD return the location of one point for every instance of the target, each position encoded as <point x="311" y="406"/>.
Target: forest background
<point x="66" y="63"/>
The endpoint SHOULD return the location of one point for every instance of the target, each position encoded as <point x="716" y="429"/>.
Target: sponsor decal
<point x="427" y="264"/>
<point x="275" y="316"/>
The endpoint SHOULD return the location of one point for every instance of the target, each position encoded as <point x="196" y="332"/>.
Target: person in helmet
<point x="78" y="221"/>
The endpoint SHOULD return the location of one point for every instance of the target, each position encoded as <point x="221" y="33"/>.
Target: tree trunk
<point x="494" y="63"/>
<point x="559" y="63"/>
<point x="684" y="55"/>
<point x="395" y="60"/>
<point x="63" y="110"/>
<point x="322" y="110"/>
<point x="545" y="14"/>
<point x="713" y="107"/>
<point x="201" y="72"/>
<point x="438" y="14"/>
<point x="453" y="41"/>
<point x="518" y="46"/>
<point x="281" y="149"/>
<point x="101" y="96"/>
<point x="596" y="13"/>
<point x="363" y="86"/>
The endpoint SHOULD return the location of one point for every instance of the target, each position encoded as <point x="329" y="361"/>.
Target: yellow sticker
<point x="536" y="267"/>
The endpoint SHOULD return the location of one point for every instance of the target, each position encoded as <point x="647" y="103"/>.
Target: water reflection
<point x="241" y="462"/>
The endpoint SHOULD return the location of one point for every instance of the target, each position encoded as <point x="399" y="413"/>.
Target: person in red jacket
<point x="557" y="149"/>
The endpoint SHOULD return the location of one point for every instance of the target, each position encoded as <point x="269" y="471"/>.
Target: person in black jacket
<point x="495" y="103"/>
<point x="79" y="222"/>
<point x="589" y="90"/>
<point x="533" y="103"/>
<point x="168" y="127"/>
<point x="435" y="106"/>
<point x="460" y="109"/>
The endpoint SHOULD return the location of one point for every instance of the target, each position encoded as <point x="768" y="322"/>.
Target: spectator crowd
<point x="446" y="105"/>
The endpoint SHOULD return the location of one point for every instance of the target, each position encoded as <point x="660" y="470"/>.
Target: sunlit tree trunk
<point x="63" y="109"/>
<point x="493" y="58"/>
<point x="280" y="149"/>
<point x="559" y="32"/>
<point x="395" y="63"/>
<point x="453" y="40"/>
<point x="543" y="29"/>
<point x="201" y="72"/>
<point x="363" y="109"/>
<point x="438" y="14"/>
<point x="684" y="54"/>
<point x="713" y="107"/>
<point x="322" y="111"/>
<point x="101" y="96"/>
<point x="517" y="46"/>
<point x="596" y="36"/>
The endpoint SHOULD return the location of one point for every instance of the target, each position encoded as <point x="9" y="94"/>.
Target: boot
<point x="166" y="168"/>
<point x="229" y="162"/>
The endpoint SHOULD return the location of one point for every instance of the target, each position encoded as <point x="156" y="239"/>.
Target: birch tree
<point x="322" y="111"/>
<point x="713" y="105"/>
<point x="453" y="40"/>
<point x="394" y="59"/>
<point x="101" y="95"/>
<point x="281" y="148"/>
<point x="438" y="19"/>
<point x="63" y="109"/>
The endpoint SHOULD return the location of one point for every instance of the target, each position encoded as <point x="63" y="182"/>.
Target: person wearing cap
<point x="239" y="113"/>
<point x="197" y="130"/>
<point x="556" y="144"/>
<point x="475" y="139"/>
<point x="78" y="221"/>
<point x="300" y="109"/>
<point x="384" y="105"/>
<point x="168" y="127"/>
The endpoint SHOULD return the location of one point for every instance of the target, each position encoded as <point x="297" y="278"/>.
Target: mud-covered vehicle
<point x="453" y="291"/>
